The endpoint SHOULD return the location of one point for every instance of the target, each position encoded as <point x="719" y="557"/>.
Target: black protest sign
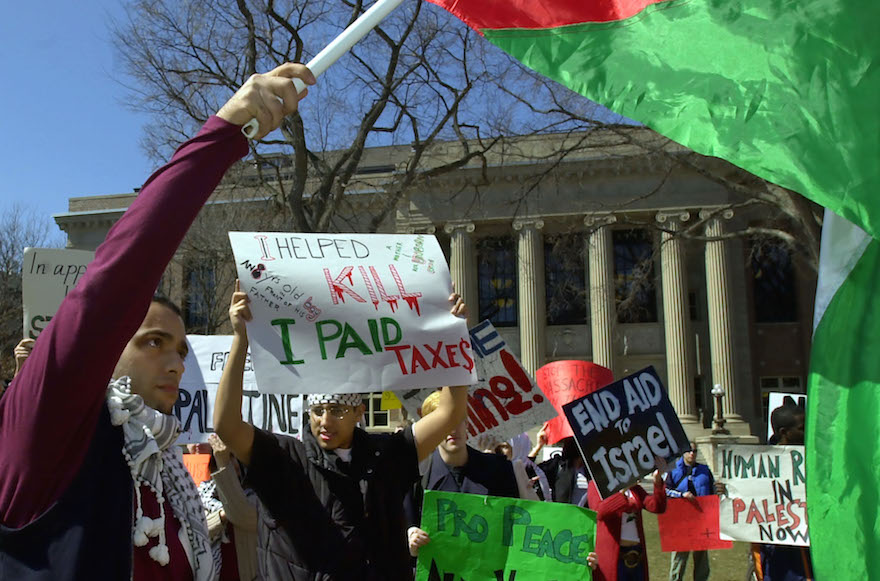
<point x="623" y="427"/>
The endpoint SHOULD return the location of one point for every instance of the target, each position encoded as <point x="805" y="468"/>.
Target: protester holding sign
<point x="486" y="537"/>
<point x="620" y="538"/>
<point x="91" y="486"/>
<point x="332" y="505"/>
<point x="22" y="351"/>
<point x="782" y="562"/>
<point x="689" y="479"/>
<point x="456" y="467"/>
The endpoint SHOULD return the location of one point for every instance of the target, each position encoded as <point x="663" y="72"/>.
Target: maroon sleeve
<point x="613" y="506"/>
<point x="656" y="502"/>
<point x="48" y="413"/>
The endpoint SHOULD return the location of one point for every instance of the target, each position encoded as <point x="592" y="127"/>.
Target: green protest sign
<point x="476" y="538"/>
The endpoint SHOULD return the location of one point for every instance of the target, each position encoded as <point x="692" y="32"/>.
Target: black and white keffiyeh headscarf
<point x="349" y="399"/>
<point x="208" y="496"/>
<point x="156" y="463"/>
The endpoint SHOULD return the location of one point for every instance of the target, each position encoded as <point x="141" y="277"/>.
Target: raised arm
<point x="655" y="502"/>
<point x="451" y="409"/>
<point x="237" y="434"/>
<point x="614" y="506"/>
<point x="48" y="415"/>
<point x="239" y="511"/>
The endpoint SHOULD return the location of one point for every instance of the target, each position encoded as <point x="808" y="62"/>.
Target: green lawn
<point x="729" y="565"/>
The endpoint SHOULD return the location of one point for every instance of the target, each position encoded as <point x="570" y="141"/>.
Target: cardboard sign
<point x="477" y="537"/>
<point x="47" y="275"/>
<point x="565" y="381"/>
<point x="278" y="413"/>
<point x="621" y="429"/>
<point x="689" y="527"/>
<point x="766" y="498"/>
<point x="350" y="313"/>
<point x="776" y="399"/>
<point x="505" y="401"/>
<point x="198" y="466"/>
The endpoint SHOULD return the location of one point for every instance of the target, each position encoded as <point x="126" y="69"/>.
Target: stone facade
<point x="612" y="195"/>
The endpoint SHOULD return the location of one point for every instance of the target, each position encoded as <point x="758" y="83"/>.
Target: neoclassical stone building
<point x="614" y="252"/>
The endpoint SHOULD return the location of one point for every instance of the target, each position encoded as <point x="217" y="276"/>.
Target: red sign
<point x="197" y="464"/>
<point x="566" y="381"/>
<point x="689" y="526"/>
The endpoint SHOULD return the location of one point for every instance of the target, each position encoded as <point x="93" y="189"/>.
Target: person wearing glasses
<point x="332" y="505"/>
<point x="689" y="479"/>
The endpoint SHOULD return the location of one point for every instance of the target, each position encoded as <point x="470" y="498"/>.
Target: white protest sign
<point x="766" y="498"/>
<point x="47" y="275"/>
<point x="505" y="401"/>
<point x="281" y="414"/>
<point x="336" y="313"/>
<point x="776" y="400"/>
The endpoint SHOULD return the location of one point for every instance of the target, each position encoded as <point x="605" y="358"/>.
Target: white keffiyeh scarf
<point x="156" y="463"/>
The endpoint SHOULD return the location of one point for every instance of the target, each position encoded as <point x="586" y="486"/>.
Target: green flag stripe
<point x="786" y="90"/>
<point x="843" y="432"/>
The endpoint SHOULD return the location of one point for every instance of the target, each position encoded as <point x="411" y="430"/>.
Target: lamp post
<point x="718" y="393"/>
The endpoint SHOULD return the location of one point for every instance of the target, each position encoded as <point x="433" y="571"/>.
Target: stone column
<point x="721" y="343"/>
<point x="462" y="266"/>
<point x="531" y="300"/>
<point x="603" y="314"/>
<point x="676" y="317"/>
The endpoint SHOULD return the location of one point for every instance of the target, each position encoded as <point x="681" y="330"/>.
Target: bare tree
<point x="203" y="269"/>
<point x="787" y="217"/>
<point x="413" y="81"/>
<point x="20" y="227"/>
<point x="419" y="80"/>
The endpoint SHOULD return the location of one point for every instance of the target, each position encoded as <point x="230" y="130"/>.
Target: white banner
<point x="278" y="413"/>
<point x="47" y="275"/>
<point x="766" y="498"/>
<point x="505" y="401"/>
<point x="338" y="313"/>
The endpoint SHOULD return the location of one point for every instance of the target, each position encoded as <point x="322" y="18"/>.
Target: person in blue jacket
<point x="689" y="479"/>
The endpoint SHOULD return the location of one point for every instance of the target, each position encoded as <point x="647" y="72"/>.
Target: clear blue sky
<point x="66" y="129"/>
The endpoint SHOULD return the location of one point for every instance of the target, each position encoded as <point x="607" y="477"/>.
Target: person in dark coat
<point x="331" y="506"/>
<point x="456" y="467"/>
<point x="566" y="473"/>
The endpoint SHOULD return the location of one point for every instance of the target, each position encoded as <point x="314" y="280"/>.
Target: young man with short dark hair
<point x="91" y="486"/>
<point x="332" y="505"/>
<point x="785" y="562"/>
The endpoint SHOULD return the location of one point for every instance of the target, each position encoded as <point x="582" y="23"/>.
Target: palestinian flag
<point x="789" y="91"/>
<point x="843" y="407"/>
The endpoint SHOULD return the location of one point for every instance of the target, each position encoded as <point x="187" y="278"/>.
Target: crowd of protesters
<point x="93" y="484"/>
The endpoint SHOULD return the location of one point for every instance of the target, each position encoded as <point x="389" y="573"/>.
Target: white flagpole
<point x="338" y="47"/>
